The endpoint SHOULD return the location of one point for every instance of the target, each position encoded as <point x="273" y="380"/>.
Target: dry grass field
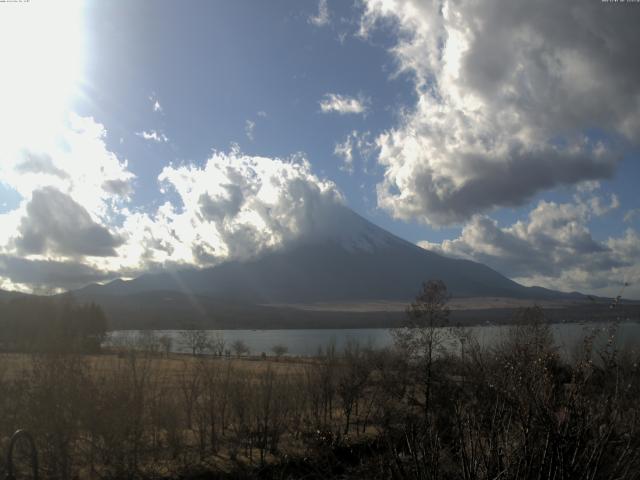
<point x="516" y="411"/>
<point x="121" y="414"/>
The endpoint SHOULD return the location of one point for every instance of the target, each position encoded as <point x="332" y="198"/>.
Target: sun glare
<point x="41" y="50"/>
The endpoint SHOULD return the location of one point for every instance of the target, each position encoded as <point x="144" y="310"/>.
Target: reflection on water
<point x="306" y="342"/>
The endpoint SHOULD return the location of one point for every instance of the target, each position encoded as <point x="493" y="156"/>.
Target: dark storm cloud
<point x="572" y="63"/>
<point x="45" y="274"/>
<point x="56" y="224"/>
<point x="507" y="183"/>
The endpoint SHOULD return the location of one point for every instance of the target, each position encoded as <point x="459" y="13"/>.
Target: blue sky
<point x="214" y="71"/>
<point x="509" y="140"/>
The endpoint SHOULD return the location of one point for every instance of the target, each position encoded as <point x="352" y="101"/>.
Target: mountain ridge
<point x="360" y="262"/>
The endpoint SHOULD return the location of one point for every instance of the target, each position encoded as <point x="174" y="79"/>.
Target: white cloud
<point x="76" y="162"/>
<point x="73" y="191"/>
<point x="249" y="127"/>
<point x="153" y="135"/>
<point x="343" y="104"/>
<point x="321" y="18"/>
<point x="631" y="215"/>
<point x="76" y="223"/>
<point x="588" y="186"/>
<point x="553" y="248"/>
<point x="355" y="144"/>
<point x="232" y="207"/>
<point x="505" y="93"/>
<point x="155" y="104"/>
<point x="599" y="208"/>
<point x="237" y="205"/>
<point x="344" y="150"/>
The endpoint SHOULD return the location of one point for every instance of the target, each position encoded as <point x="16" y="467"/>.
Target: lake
<point x="307" y="342"/>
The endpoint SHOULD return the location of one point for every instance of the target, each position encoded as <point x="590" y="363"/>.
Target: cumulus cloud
<point x="76" y="224"/>
<point x="153" y="135"/>
<point x="553" y="247"/>
<point x="355" y="144"/>
<point x="77" y="163"/>
<point x="72" y="190"/>
<point x="508" y="97"/>
<point x="236" y="206"/>
<point x="344" y="104"/>
<point x="322" y="17"/>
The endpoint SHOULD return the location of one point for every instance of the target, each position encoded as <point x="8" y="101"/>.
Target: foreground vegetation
<point x="515" y="411"/>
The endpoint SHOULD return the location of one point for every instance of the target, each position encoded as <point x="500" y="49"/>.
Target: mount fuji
<point x="342" y="259"/>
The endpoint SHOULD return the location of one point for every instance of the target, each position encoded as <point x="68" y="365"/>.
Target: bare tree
<point x="196" y="340"/>
<point x="217" y="344"/>
<point x="421" y="336"/>
<point x="279" y="350"/>
<point x="148" y="341"/>
<point x="239" y="347"/>
<point x="353" y="379"/>
<point x="166" y="342"/>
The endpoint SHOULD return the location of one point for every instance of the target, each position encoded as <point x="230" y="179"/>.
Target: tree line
<point x="39" y="324"/>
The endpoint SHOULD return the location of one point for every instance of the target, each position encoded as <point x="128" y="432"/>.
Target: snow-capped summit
<point x="342" y="226"/>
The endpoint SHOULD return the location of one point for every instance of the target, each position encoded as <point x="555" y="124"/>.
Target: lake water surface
<point x="307" y="342"/>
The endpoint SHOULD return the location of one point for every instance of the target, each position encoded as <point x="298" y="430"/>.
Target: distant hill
<point x="8" y="295"/>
